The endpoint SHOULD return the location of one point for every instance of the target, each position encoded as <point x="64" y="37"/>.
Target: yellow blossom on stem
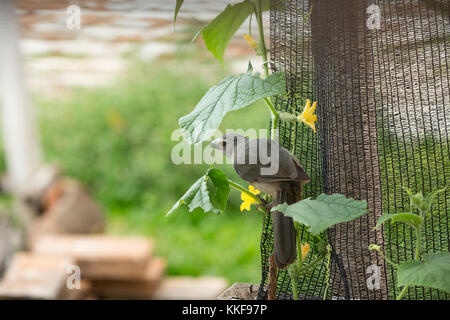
<point x="248" y="200"/>
<point x="308" y="117"/>
<point x="305" y="250"/>
<point x="251" y="42"/>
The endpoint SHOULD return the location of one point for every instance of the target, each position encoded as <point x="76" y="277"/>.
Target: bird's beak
<point x="216" y="143"/>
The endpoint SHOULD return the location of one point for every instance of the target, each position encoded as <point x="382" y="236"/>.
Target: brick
<point x="35" y="277"/>
<point x="100" y="256"/>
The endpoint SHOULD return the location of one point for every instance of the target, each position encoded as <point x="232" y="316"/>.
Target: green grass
<point x="117" y="141"/>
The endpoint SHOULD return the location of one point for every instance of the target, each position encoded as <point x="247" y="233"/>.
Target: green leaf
<point x="383" y="219"/>
<point x="250" y="67"/>
<point x="417" y="199"/>
<point x="324" y="212"/>
<point x="199" y="197"/>
<point x="219" y="31"/>
<point x="220" y="181"/>
<point x="177" y="8"/>
<point x="433" y="272"/>
<point x="411" y="219"/>
<point x="232" y="93"/>
<point x="428" y="201"/>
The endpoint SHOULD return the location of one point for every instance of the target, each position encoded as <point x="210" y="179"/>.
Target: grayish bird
<point x="271" y="168"/>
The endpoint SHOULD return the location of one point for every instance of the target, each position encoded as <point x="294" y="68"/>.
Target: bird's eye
<point x="224" y="143"/>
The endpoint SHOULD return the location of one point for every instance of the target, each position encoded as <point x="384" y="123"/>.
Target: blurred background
<point x="107" y="97"/>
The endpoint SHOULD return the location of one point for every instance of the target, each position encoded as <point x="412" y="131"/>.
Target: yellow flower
<point x="248" y="200"/>
<point x="115" y="120"/>
<point x="305" y="250"/>
<point x="251" y="42"/>
<point x="308" y="117"/>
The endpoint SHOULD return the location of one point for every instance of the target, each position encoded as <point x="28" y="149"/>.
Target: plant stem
<point x="327" y="272"/>
<point x="299" y="247"/>
<point x="294" y="270"/>
<point x="418" y="236"/>
<point x="400" y="296"/>
<point x="271" y="107"/>
<point x="263" y="48"/>
<point x="417" y="256"/>
<point x="386" y="258"/>
<point x="293" y="274"/>
<point x="275" y="117"/>
<point x="242" y="189"/>
<point x="312" y="264"/>
<point x="262" y="41"/>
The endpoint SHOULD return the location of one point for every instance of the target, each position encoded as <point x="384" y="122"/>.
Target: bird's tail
<point x="284" y="239"/>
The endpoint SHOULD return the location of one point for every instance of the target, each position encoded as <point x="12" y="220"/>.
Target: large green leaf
<point x="199" y="196"/>
<point x="219" y="31"/>
<point x="232" y="93"/>
<point x="411" y="219"/>
<point x="177" y="8"/>
<point x="433" y="272"/>
<point x="324" y="212"/>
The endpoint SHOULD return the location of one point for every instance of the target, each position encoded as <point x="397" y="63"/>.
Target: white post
<point x="22" y="148"/>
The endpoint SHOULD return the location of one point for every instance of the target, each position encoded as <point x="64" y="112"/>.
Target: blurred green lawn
<point x="117" y="140"/>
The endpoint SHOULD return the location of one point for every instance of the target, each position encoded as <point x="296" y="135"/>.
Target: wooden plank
<point x="132" y="289"/>
<point x="35" y="277"/>
<point x="100" y="256"/>
<point x="190" y="288"/>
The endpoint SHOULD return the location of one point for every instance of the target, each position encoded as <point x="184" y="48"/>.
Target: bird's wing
<point x="289" y="167"/>
<point x="301" y="174"/>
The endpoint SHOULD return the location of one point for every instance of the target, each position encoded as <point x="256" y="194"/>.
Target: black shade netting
<point x="384" y="123"/>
